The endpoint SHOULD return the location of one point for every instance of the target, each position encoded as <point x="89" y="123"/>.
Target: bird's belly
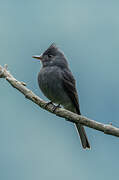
<point x="51" y="85"/>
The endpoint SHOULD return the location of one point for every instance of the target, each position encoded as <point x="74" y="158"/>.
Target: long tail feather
<point x="83" y="136"/>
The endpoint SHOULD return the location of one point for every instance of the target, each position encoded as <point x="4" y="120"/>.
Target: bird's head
<point x="52" y="57"/>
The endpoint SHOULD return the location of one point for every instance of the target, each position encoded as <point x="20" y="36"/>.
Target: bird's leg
<point x="48" y="104"/>
<point x="55" y="107"/>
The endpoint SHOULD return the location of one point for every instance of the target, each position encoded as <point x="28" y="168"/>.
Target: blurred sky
<point x="35" y="144"/>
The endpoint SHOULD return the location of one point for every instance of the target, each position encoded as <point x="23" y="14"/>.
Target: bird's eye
<point x="50" y="56"/>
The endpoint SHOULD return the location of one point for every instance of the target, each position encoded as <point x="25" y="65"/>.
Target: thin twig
<point x="72" y="117"/>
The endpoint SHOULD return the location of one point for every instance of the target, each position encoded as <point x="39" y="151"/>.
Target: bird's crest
<point x="52" y="49"/>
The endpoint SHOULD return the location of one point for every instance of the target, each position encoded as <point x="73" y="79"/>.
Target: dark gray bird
<point x="58" y="84"/>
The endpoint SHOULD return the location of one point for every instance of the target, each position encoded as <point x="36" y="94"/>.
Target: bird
<point x="58" y="84"/>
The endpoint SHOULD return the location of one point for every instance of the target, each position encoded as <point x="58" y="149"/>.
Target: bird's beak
<point x="38" y="57"/>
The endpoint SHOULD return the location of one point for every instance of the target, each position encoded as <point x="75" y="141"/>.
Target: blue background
<point x="35" y="144"/>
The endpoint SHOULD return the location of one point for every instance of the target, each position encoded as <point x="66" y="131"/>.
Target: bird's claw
<point x="55" y="107"/>
<point x="48" y="104"/>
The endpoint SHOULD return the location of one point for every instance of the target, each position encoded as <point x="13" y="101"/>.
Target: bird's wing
<point x="70" y="88"/>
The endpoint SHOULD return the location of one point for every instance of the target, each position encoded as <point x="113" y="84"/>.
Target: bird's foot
<point x="55" y="107"/>
<point x="48" y="104"/>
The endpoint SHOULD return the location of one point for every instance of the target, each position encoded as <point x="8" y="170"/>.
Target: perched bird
<point x="58" y="84"/>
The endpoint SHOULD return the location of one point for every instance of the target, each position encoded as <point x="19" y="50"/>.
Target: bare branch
<point x="72" y="117"/>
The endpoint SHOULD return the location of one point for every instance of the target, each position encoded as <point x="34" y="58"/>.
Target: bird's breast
<point x="50" y="83"/>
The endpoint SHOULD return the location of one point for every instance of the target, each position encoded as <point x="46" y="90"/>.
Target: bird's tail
<point x="81" y="131"/>
<point x="83" y="136"/>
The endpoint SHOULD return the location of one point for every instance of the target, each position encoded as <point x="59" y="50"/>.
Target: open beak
<point x="38" y="57"/>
